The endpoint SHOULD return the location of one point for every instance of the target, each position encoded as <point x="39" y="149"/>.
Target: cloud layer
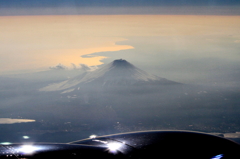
<point x="82" y="67"/>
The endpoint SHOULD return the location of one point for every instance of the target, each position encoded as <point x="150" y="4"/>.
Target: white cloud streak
<point x="13" y="121"/>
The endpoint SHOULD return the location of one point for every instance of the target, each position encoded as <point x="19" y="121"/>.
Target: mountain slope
<point x="117" y="73"/>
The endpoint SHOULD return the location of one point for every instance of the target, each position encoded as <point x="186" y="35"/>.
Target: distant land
<point x="118" y="97"/>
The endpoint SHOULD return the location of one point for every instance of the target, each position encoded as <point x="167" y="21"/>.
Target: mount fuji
<point x="117" y="73"/>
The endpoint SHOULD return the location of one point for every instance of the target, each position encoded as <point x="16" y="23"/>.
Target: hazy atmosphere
<point x="70" y="69"/>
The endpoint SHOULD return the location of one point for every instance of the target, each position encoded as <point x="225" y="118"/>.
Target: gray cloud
<point x="82" y="67"/>
<point x="74" y="66"/>
<point x="58" y="67"/>
<point x="87" y="68"/>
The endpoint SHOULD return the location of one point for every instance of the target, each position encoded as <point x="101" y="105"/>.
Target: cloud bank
<point x="82" y="67"/>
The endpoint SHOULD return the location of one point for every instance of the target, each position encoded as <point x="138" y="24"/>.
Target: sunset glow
<point x="38" y="42"/>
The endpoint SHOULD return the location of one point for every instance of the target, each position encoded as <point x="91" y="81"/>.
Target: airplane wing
<point x="134" y="145"/>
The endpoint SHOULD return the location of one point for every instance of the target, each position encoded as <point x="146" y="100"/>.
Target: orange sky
<point x="38" y="42"/>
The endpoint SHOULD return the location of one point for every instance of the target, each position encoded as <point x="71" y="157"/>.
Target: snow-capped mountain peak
<point x="117" y="73"/>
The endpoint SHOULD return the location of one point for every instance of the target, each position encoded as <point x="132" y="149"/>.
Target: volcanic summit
<point x="117" y="73"/>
